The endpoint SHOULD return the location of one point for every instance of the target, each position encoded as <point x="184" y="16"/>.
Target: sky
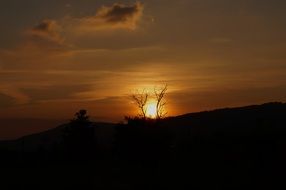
<point x="59" y="56"/>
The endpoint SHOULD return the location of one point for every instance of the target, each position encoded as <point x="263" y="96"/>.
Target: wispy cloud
<point x="15" y="94"/>
<point x="47" y="31"/>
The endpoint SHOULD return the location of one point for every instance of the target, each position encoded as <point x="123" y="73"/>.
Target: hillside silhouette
<point x="230" y="148"/>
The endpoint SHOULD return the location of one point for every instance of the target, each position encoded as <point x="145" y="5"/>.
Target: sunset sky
<point x="58" y="56"/>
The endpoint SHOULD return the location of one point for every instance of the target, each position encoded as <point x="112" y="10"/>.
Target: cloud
<point x="47" y="31"/>
<point x="55" y="91"/>
<point x="120" y="13"/>
<point x="57" y="33"/>
<point x="6" y="101"/>
<point x="116" y="16"/>
<point x="34" y="55"/>
<point x="18" y="96"/>
<point x="50" y="32"/>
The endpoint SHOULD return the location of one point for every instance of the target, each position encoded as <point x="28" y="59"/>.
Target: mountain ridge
<point x="187" y="123"/>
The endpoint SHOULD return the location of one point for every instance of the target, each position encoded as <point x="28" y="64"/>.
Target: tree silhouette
<point x="140" y="99"/>
<point x="79" y="136"/>
<point x="81" y="117"/>
<point x="160" y="102"/>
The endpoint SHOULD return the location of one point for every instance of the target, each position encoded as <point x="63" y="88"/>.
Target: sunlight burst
<point x="151" y="110"/>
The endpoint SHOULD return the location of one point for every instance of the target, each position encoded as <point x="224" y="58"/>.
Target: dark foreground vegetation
<point x="234" y="148"/>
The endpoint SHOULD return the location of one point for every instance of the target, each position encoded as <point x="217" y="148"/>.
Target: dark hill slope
<point x="258" y="120"/>
<point x="104" y="132"/>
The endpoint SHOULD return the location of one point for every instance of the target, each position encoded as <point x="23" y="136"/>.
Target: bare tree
<point x="160" y="102"/>
<point x="141" y="99"/>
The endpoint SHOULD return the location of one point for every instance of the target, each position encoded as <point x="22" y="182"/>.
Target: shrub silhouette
<point x="81" y="118"/>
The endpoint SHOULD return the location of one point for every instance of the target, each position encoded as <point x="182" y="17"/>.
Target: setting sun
<point x="151" y="110"/>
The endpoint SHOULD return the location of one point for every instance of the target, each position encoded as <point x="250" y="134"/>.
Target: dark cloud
<point x="44" y="26"/>
<point x="120" y="13"/>
<point x="116" y="16"/>
<point x="47" y="30"/>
